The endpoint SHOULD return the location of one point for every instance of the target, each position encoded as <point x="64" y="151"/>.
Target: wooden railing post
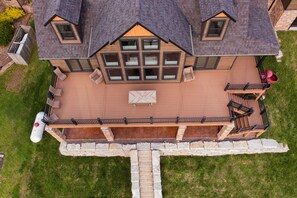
<point x="151" y="120"/>
<point x="125" y="120"/>
<point x="99" y="121"/>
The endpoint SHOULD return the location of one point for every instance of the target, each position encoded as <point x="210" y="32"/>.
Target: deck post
<point x="108" y="133"/>
<point x="224" y="132"/>
<point x="180" y="133"/>
<point x="56" y="133"/>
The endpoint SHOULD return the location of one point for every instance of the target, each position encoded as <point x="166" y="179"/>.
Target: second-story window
<point x="66" y="31"/>
<point x="171" y="58"/>
<point x="150" y="44"/>
<point x="215" y="28"/>
<point x="151" y="59"/>
<point x="131" y="59"/>
<point x="111" y="60"/>
<point x="129" y="45"/>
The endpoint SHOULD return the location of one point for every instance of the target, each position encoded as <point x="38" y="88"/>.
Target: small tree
<point x="6" y="32"/>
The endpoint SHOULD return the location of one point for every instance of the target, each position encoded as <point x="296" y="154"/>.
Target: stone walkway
<point x="145" y="157"/>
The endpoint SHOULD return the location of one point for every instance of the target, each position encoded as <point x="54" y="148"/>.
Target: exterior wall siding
<point x="61" y="64"/>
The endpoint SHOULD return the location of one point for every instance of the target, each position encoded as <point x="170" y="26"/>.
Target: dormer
<point x="64" y="17"/>
<point x="215" y="17"/>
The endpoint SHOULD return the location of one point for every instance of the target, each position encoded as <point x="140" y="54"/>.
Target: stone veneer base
<point x="197" y="148"/>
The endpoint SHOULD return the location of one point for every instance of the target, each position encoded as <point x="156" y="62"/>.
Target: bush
<point x="11" y="13"/>
<point x="6" y="32"/>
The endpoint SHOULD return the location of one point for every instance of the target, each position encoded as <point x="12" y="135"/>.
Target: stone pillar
<point x="180" y="133"/>
<point x="224" y="132"/>
<point x="56" y="133"/>
<point x="107" y="133"/>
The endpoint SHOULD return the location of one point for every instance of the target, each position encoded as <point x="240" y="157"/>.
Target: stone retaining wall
<point x="198" y="148"/>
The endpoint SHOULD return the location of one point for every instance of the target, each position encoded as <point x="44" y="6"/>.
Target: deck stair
<point x="240" y="105"/>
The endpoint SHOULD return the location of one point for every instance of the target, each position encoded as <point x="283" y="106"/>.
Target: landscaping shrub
<point x="11" y="13"/>
<point x="6" y="32"/>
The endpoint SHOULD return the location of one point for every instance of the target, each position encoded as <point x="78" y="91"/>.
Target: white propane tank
<point x="38" y="128"/>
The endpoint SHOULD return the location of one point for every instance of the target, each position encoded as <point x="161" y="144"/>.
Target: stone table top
<point x="143" y="97"/>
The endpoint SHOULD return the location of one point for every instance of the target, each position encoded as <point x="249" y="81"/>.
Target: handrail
<point x="47" y="108"/>
<point x="264" y="114"/>
<point x="247" y="86"/>
<point x="248" y="110"/>
<point x="150" y="120"/>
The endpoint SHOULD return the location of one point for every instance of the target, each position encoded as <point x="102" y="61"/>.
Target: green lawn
<point x="269" y="175"/>
<point x="38" y="170"/>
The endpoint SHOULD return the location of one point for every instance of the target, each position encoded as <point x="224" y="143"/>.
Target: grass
<point x="38" y="170"/>
<point x="269" y="175"/>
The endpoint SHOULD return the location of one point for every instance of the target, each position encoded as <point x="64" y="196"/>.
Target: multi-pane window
<point x="111" y="60"/>
<point x="131" y="59"/>
<point x="151" y="73"/>
<point x="170" y="73"/>
<point x="150" y="44"/>
<point x="207" y="63"/>
<point x="66" y="31"/>
<point x="215" y="28"/>
<point x="79" y="65"/>
<point x="151" y="59"/>
<point x="171" y="58"/>
<point x="129" y="45"/>
<point x="114" y="74"/>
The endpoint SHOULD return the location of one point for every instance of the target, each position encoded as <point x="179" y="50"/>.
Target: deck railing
<point x="53" y="82"/>
<point x="264" y="114"/>
<point x="247" y="110"/>
<point x="151" y="120"/>
<point x="252" y="86"/>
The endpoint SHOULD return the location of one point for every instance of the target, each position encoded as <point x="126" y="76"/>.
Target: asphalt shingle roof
<point x="67" y="9"/>
<point x="104" y="21"/>
<point x="210" y="8"/>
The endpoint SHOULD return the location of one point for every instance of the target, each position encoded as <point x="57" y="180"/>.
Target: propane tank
<point x="38" y="128"/>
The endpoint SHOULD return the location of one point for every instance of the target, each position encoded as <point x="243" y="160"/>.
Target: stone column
<point x="107" y="133"/>
<point x="56" y="133"/>
<point x="180" y="133"/>
<point x="224" y="132"/>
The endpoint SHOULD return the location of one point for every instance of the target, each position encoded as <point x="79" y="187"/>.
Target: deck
<point x="205" y="96"/>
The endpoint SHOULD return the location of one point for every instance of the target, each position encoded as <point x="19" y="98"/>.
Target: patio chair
<point x="54" y="91"/>
<point x="96" y="76"/>
<point x="188" y="74"/>
<point x="60" y="74"/>
<point x="53" y="103"/>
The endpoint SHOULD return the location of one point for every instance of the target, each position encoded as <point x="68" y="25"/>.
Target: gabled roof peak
<point x="211" y="8"/>
<point x="68" y="10"/>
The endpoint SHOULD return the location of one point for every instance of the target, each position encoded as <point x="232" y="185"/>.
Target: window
<point x="151" y="73"/>
<point x="111" y="60"/>
<point x="133" y="74"/>
<point x="170" y="73"/>
<point x="171" y="58"/>
<point x="131" y="59"/>
<point x="129" y="45"/>
<point x="114" y="74"/>
<point x="215" y="28"/>
<point x="206" y="63"/>
<point x="150" y="44"/>
<point x="79" y="65"/>
<point x="66" y="31"/>
<point x="151" y="59"/>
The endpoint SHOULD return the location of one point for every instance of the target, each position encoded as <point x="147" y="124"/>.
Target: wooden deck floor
<point x="205" y="96"/>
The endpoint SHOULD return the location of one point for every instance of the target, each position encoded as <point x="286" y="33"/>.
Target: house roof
<point x="104" y="21"/>
<point x="69" y="10"/>
<point x="210" y="8"/>
<point x="251" y="34"/>
<point x="162" y="17"/>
